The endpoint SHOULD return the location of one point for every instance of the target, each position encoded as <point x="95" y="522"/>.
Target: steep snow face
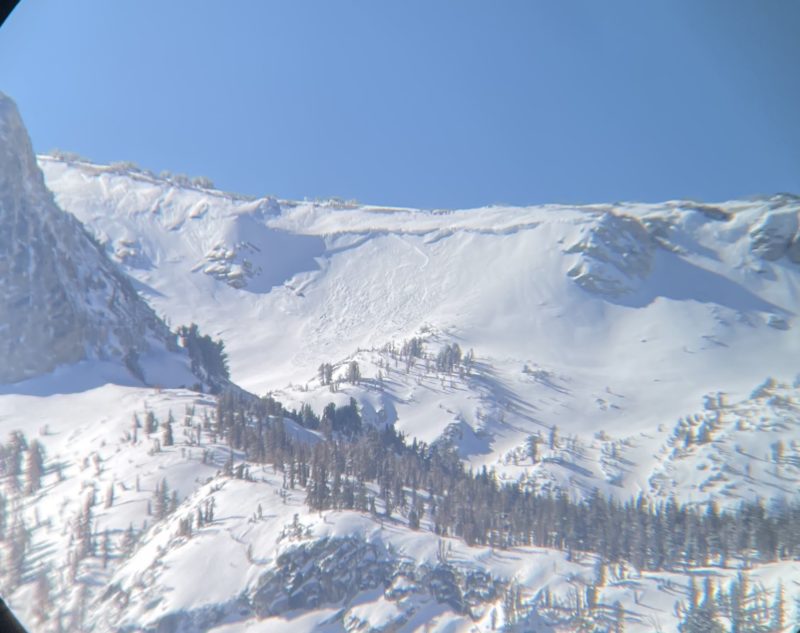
<point x="157" y="229"/>
<point x="634" y="311"/>
<point x="61" y="299"/>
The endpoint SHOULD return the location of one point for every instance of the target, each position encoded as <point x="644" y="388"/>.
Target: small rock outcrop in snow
<point x="320" y="572"/>
<point x="61" y="299"/>
<point x="776" y="235"/>
<point x="129" y="252"/>
<point x="329" y="571"/>
<point x="615" y="251"/>
<point x="228" y="264"/>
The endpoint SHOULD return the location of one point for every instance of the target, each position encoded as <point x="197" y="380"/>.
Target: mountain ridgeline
<point x="496" y="419"/>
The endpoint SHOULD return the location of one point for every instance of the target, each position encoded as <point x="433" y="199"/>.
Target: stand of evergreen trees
<point x="378" y="471"/>
<point x="208" y="357"/>
<point x="363" y="468"/>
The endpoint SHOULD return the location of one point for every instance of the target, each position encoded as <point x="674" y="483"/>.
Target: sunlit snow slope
<point x="651" y="348"/>
<point x="615" y="318"/>
<point x="263" y="561"/>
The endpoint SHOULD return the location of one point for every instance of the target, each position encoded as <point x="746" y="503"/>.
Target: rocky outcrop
<point x="325" y="571"/>
<point x="776" y="235"/>
<point x="61" y="299"/>
<point x="334" y="571"/>
<point x="793" y="252"/>
<point x="616" y="253"/>
<point x="231" y="264"/>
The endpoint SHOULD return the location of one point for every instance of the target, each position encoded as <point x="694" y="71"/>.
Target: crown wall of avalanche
<point x="61" y="299"/>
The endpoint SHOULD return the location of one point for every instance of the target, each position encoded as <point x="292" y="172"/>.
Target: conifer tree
<point x="168" y="438"/>
<point x="106" y="548"/>
<point x="701" y="618"/>
<point x="128" y="541"/>
<point x="34" y="467"/>
<point x="150" y="423"/>
<point x="83" y="528"/>
<point x="353" y="373"/>
<point x="109" y="501"/>
<point x="553" y="437"/>
<point x="778" y="620"/>
<point x="533" y="447"/>
<point x="3" y="516"/>
<point x="16" y="556"/>
<point x="618" y="617"/>
<point x="135" y="426"/>
<point x="12" y="465"/>
<point x="161" y="500"/>
<point x="42" y="600"/>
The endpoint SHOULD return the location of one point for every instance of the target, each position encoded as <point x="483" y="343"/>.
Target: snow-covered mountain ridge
<point x="620" y="349"/>
<point x="626" y="315"/>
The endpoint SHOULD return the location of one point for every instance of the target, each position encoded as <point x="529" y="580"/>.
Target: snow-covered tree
<point x="150" y="423"/>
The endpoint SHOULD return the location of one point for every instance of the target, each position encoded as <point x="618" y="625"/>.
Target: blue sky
<point x="428" y="103"/>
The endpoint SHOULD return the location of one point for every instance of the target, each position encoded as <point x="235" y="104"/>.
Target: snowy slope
<point x="344" y="571"/>
<point x="603" y="319"/>
<point x="646" y="348"/>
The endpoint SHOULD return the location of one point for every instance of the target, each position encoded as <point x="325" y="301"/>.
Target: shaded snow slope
<point x="61" y="299"/>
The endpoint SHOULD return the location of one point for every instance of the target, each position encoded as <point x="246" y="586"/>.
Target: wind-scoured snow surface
<point x="628" y="327"/>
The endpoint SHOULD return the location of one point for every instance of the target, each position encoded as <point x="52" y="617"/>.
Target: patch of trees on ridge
<point x="207" y="356"/>
<point x="364" y="468"/>
<point x="379" y="471"/>
<point x="428" y="487"/>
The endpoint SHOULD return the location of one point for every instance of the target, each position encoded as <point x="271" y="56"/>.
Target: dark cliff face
<point x="8" y="621"/>
<point x="61" y="299"/>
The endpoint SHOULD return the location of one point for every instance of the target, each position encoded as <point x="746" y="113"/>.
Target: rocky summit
<point x="61" y="299"/>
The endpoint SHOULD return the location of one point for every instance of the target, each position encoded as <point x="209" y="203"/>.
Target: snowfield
<point x="645" y="349"/>
<point x="618" y="319"/>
